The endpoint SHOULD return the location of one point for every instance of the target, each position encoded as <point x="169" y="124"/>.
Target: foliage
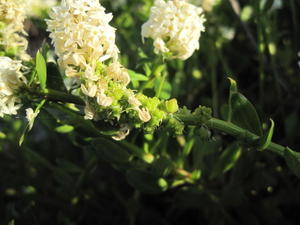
<point x="184" y="166"/>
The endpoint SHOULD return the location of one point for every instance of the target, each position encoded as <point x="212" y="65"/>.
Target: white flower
<point x="89" y="112"/>
<point x="12" y="16"/>
<point x="133" y="101"/>
<point x="123" y="133"/>
<point x="103" y="100"/>
<point x="175" y="26"/>
<point x="30" y="116"/>
<point x="118" y="73"/>
<point x="11" y="79"/>
<point x="90" y="89"/>
<point x="144" y="115"/>
<point x="81" y="33"/>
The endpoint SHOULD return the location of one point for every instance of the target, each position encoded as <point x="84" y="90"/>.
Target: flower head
<point x="81" y="34"/>
<point x="175" y="26"/>
<point x="12" y="16"/>
<point x="11" y="79"/>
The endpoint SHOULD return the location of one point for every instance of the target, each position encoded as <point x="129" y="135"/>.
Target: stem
<point x="58" y="96"/>
<point x="213" y="123"/>
<point x="239" y="132"/>
<point x="163" y="78"/>
<point x="233" y="130"/>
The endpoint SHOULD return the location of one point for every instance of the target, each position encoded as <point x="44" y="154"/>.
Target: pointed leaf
<point x="110" y="151"/>
<point x="64" y="129"/>
<point x="244" y="114"/>
<point x="265" y="140"/>
<point x="227" y="160"/>
<point x="292" y="161"/>
<point x="233" y="89"/>
<point x="41" y="69"/>
<point x="267" y="6"/>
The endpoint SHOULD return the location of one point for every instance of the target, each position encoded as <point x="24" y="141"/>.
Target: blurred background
<point x="55" y="178"/>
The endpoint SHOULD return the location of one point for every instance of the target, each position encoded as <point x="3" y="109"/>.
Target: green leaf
<point x="233" y="89"/>
<point x="110" y="151"/>
<point x="292" y="161"/>
<point x="30" y="123"/>
<point x="41" y="69"/>
<point x="267" y="6"/>
<point x="146" y="182"/>
<point x="163" y="166"/>
<point x="265" y="140"/>
<point x="55" y="80"/>
<point x="164" y="88"/>
<point x="227" y="160"/>
<point x="64" y="129"/>
<point x="136" y="77"/>
<point x="244" y="114"/>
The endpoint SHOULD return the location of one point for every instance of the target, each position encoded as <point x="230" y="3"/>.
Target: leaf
<point x="227" y="160"/>
<point x="55" y="80"/>
<point x="267" y="6"/>
<point x="41" y="69"/>
<point x="64" y="129"/>
<point x="146" y="182"/>
<point x="163" y="166"/>
<point x="110" y="151"/>
<point x="244" y="114"/>
<point x="292" y="161"/>
<point x="265" y="140"/>
<point x="30" y="123"/>
<point x="233" y="89"/>
<point x="165" y="90"/>
<point x="136" y="77"/>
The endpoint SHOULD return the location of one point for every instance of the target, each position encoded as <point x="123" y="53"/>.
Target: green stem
<point x="57" y="96"/>
<point x="213" y="123"/>
<point x="163" y="78"/>
<point x="233" y="130"/>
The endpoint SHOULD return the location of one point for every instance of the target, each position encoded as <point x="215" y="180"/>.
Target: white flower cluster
<point x="11" y="79"/>
<point x="85" y="44"/>
<point x="175" y="26"/>
<point x="12" y="16"/>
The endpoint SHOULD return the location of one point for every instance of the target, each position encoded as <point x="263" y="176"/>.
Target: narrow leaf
<point x="292" y="161"/>
<point x="268" y="5"/>
<point x="265" y="140"/>
<point x="41" y="69"/>
<point x="64" y="129"/>
<point x="137" y="76"/>
<point x="110" y="151"/>
<point x="227" y="160"/>
<point x="233" y="89"/>
<point x="244" y="114"/>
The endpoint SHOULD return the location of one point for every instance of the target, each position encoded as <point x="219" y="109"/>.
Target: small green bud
<point x="203" y="114"/>
<point x="172" y="106"/>
<point x="175" y="126"/>
<point x="149" y="158"/>
<point x="196" y="174"/>
<point x="163" y="183"/>
<point x="203" y="133"/>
